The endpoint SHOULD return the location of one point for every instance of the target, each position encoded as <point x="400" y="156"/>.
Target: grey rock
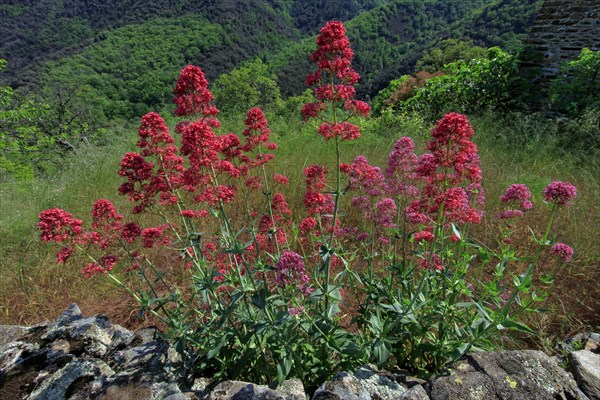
<point x="379" y="385"/>
<point x="79" y="358"/>
<point x="12" y="352"/>
<point x="343" y="386"/>
<point x="415" y="393"/>
<point x="237" y="390"/>
<point x="293" y="389"/>
<point x="91" y="335"/>
<point x="582" y="341"/>
<point x="586" y="369"/>
<point x="367" y="383"/>
<point x="11" y="333"/>
<point x="71" y="314"/>
<point x="507" y="375"/>
<point x="57" y="385"/>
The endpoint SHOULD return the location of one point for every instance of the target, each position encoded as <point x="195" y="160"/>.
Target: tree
<point x="36" y="131"/>
<point x="448" y="51"/>
<point x="250" y="85"/>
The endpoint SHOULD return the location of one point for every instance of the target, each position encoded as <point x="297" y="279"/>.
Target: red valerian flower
<point x="307" y="225"/>
<point x="431" y="261"/>
<point x="103" y="266"/>
<point x="366" y="177"/>
<point x="334" y="82"/>
<point x="560" y="193"/>
<point x="154" y="237"/>
<point x="510" y="214"/>
<point x="57" y="225"/>
<point x="451" y="173"/>
<point x="131" y="231"/>
<point x="281" y="179"/>
<point x="562" y="251"/>
<point x="385" y="213"/>
<point x="192" y="95"/>
<point x="63" y="255"/>
<point x="399" y="172"/>
<point x="421" y="236"/>
<point x="105" y="216"/>
<point x="154" y="134"/>
<point x="200" y="144"/>
<point x="312" y="110"/>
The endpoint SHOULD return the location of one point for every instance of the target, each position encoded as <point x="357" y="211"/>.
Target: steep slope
<point x="310" y="15"/>
<point x="35" y="31"/>
<point x="388" y="40"/>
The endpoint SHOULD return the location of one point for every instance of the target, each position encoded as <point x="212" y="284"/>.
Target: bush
<point x="577" y="86"/>
<point x="467" y="87"/>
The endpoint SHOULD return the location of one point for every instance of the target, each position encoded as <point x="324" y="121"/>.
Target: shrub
<point x="577" y="86"/>
<point x="468" y="86"/>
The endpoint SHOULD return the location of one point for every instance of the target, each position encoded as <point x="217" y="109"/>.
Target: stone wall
<point x="562" y="28"/>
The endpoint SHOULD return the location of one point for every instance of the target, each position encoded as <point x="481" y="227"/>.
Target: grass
<point x="513" y="149"/>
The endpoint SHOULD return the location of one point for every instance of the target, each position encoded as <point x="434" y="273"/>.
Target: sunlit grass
<point x="513" y="150"/>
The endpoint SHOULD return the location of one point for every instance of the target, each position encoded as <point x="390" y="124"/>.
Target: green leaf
<point x="381" y="351"/>
<point x="215" y="350"/>
<point x="283" y="367"/>
<point x="456" y="231"/>
<point x="516" y="326"/>
<point x="459" y="351"/>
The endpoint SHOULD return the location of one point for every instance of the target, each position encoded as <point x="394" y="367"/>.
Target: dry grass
<point x="34" y="288"/>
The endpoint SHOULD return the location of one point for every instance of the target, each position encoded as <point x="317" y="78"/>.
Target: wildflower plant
<point x="267" y="284"/>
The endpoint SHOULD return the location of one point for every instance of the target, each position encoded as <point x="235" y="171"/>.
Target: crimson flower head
<point x="334" y="53"/>
<point x="105" y="215"/>
<point x="560" y="193"/>
<point x="334" y="82"/>
<point x="153" y="133"/>
<point x="192" y="95"/>
<point x="57" y="225"/>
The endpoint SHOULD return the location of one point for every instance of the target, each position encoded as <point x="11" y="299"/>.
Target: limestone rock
<point x="10" y="333"/>
<point x="379" y="384"/>
<point x="507" y="375"/>
<point x="366" y="383"/>
<point x="586" y="369"/>
<point x="343" y="386"/>
<point x="582" y="341"/>
<point x="80" y="358"/>
<point x="415" y="393"/>
<point x="237" y="390"/>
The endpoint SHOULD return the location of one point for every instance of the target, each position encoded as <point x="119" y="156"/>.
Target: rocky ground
<point x="78" y="357"/>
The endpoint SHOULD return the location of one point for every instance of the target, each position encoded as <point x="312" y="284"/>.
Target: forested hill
<point x="35" y="31"/>
<point x="126" y="53"/>
<point x="389" y="39"/>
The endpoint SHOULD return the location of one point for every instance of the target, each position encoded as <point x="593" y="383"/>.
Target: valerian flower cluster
<point x="269" y="285"/>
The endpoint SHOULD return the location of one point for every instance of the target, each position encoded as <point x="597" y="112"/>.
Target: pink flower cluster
<point x="290" y="270"/>
<point x="317" y="202"/>
<point x="57" y="225"/>
<point x="107" y="229"/>
<point x="560" y="193"/>
<point x="451" y="174"/>
<point x="562" y="251"/>
<point x="517" y="195"/>
<point x="192" y="95"/>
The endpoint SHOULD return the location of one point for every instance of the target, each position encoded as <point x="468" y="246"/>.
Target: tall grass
<point x="513" y="148"/>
